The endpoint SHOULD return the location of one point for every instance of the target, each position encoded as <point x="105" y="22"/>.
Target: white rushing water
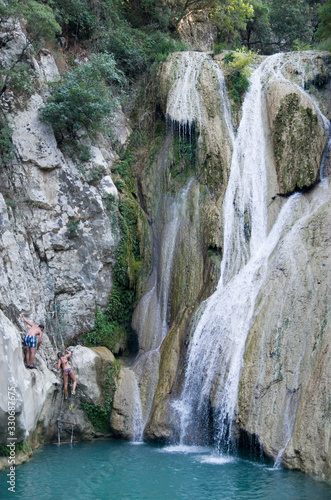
<point x="217" y="343"/>
<point x="184" y="101"/>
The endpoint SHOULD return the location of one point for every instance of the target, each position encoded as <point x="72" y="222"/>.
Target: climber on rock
<point x="30" y="342"/>
<point x="67" y="371"/>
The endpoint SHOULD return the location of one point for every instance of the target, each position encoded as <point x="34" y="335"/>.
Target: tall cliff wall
<point x="57" y="246"/>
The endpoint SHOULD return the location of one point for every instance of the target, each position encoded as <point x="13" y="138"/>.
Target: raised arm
<point x="27" y="321"/>
<point x="69" y="354"/>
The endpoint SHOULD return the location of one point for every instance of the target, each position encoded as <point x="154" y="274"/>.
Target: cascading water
<point x="217" y="344"/>
<point x="151" y="315"/>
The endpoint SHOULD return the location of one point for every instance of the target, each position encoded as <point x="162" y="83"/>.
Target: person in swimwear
<point x="67" y="371"/>
<point x="30" y="342"/>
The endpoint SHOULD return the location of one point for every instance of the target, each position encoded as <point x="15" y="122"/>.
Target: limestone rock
<point x="284" y="398"/>
<point x="46" y="68"/>
<point x="33" y="139"/>
<point x="125" y="406"/>
<point x="197" y="31"/>
<point x="13" y="42"/>
<point x="299" y="136"/>
<point x="32" y="389"/>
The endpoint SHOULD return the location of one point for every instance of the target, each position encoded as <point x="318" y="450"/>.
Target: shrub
<point x="40" y="20"/>
<point x="83" y="98"/>
<point x="18" y="78"/>
<point x="7" y="151"/>
<point x="237" y="80"/>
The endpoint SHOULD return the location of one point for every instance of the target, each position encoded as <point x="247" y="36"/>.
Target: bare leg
<point x="27" y="356"/>
<point x="72" y="376"/>
<point x="65" y="380"/>
<point x="32" y="355"/>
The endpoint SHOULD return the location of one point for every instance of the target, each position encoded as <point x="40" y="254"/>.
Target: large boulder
<point x="299" y="136"/>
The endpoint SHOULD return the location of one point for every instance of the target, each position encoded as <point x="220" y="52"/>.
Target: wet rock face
<point x="284" y="398"/>
<point x="298" y="134"/>
<point x="191" y="94"/>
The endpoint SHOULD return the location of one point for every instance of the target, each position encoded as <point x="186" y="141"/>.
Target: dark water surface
<point x="120" y="470"/>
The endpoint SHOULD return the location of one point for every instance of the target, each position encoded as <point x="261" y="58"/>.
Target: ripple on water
<point x="216" y="460"/>
<point x="182" y="448"/>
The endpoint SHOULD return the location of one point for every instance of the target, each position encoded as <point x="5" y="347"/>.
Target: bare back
<point x="34" y="330"/>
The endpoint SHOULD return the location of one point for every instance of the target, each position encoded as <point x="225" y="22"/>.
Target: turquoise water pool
<point x="120" y="470"/>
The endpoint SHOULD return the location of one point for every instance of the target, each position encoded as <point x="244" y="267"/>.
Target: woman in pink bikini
<point x="67" y="371"/>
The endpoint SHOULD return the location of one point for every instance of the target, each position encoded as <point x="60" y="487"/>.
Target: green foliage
<point x="324" y="45"/>
<point x="99" y="415"/>
<point x="300" y="46"/>
<point x="73" y="226"/>
<point x="4" y="450"/>
<point x="113" y="327"/>
<point x="85" y="19"/>
<point x="239" y="70"/>
<point x="240" y="60"/>
<point x="83" y="97"/>
<point x="40" y="21"/>
<point x="18" y="79"/>
<point x="136" y="50"/>
<point x="290" y="21"/>
<point x="24" y="447"/>
<point x="237" y="84"/>
<point x="231" y="16"/>
<point x="7" y="151"/>
<point x="323" y="31"/>
<point x="10" y="202"/>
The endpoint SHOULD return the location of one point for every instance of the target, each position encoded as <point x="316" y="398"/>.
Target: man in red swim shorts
<point x="67" y="372"/>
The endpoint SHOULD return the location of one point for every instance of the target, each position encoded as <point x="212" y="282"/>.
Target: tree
<point x="290" y="21"/>
<point x="39" y="19"/>
<point x="258" y="32"/>
<point x="324" y="28"/>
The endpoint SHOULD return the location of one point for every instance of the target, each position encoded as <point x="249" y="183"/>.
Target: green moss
<point x="99" y="415"/>
<point x="295" y="129"/>
<point x="112" y="327"/>
<point x="181" y="161"/>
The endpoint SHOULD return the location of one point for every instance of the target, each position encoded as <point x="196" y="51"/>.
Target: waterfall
<point x="150" y="318"/>
<point x="183" y="103"/>
<point x="217" y="342"/>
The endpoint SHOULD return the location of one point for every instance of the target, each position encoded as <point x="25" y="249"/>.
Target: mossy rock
<point x="299" y="137"/>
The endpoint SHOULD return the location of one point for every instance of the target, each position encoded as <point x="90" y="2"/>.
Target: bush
<point x="18" y="79"/>
<point x="40" y="20"/>
<point x="237" y="80"/>
<point x="136" y="50"/>
<point x="83" y="98"/>
<point x="7" y="151"/>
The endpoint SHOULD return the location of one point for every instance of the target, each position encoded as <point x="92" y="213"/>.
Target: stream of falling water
<point x="151" y="315"/>
<point x="217" y="344"/>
